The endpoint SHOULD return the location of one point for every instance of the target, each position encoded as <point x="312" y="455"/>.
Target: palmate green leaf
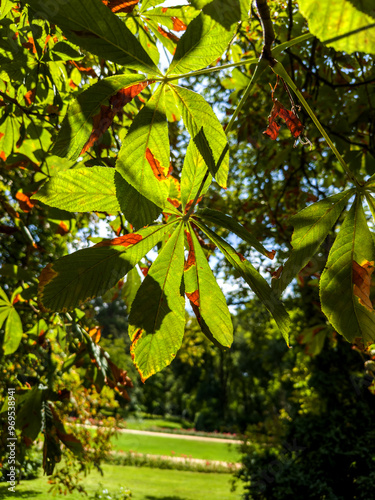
<point x="206" y="131"/>
<point x="204" y="293"/>
<point x="342" y="290"/>
<point x="82" y="189"/>
<point x="256" y="282"/>
<point x="13" y="332"/>
<point x="157" y="316"/>
<point x="341" y="23"/>
<point x="311" y="227"/>
<point x="203" y="42"/>
<point x="92" y="26"/>
<point x="75" y="278"/>
<point x="235" y="227"/>
<point x="144" y="157"/>
<point x="193" y="172"/>
<point x="78" y="122"/>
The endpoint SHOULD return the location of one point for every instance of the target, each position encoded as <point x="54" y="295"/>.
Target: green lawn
<point x="158" y="445"/>
<point x="145" y="483"/>
<point x="149" y="423"/>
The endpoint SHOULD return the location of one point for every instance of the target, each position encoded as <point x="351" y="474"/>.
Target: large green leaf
<point x="157" y="317"/>
<point x="339" y="21"/>
<point x="90" y="272"/>
<point x="205" y="294"/>
<point x="193" y="172"/>
<point x="204" y="41"/>
<point x="342" y="284"/>
<point x="206" y="131"/>
<point x="78" y="122"/>
<point x="81" y="189"/>
<point x="222" y="220"/>
<point x="92" y="26"/>
<point x="256" y="282"/>
<point x="143" y="160"/>
<point x="311" y="227"/>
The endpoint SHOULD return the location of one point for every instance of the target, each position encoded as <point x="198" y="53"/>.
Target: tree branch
<point x="268" y="33"/>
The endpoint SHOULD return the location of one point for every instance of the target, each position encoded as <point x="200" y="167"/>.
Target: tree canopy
<point x="200" y="134"/>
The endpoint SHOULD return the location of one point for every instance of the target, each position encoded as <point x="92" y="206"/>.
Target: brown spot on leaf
<point x="175" y="202"/>
<point x="118" y="6"/>
<point x="62" y="229"/>
<point x="242" y="258"/>
<point x="24" y="202"/>
<point x="135" y="339"/>
<point x="193" y="297"/>
<point x="30" y="45"/>
<point x="362" y="282"/>
<point x="157" y="169"/>
<point x="190" y="202"/>
<point x="3" y="156"/>
<point x="276" y="274"/>
<point x="144" y="270"/>
<point x="72" y="84"/>
<point x="103" y="120"/>
<point x="124" y="241"/>
<point x="164" y="9"/>
<point x="46" y="276"/>
<point x="82" y="69"/>
<point x="168" y="35"/>
<point x="191" y="260"/>
<point x="30" y="97"/>
<point x="178" y="25"/>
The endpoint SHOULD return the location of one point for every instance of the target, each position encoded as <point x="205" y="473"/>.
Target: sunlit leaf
<point x="92" y="26"/>
<point x="81" y="189"/>
<point x="311" y="226"/>
<point x="205" y="294"/>
<point x="206" y="131"/>
<point x="90" y="272"/>
<point x="157" y="335"/>
<point x="143" y="160"/>
<point x="344" y="292"/>
<point x="78" y="123"/>
<point x="348" y="28"/>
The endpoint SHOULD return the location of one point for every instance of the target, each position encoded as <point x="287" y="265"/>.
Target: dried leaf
<point x="292" y="121"/>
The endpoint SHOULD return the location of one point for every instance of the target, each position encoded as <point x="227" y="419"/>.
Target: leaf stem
<point x="207" y="71"/>
<point x="262" y="65"/>
<point x="280" y="71"/>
